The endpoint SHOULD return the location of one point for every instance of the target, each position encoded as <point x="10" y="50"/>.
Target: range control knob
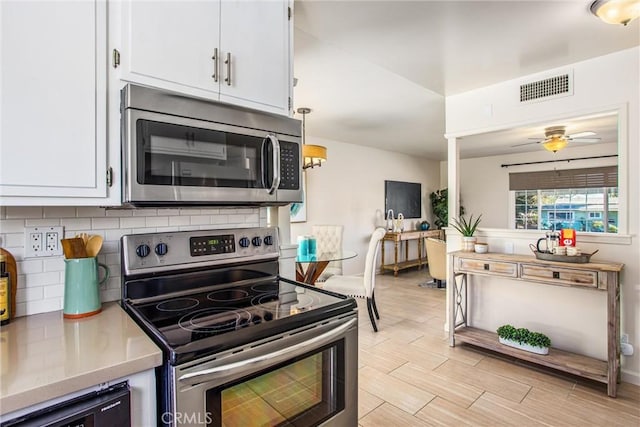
<point x="268" y="240"/>
<point x="244" y="242"/>
<point x="256" y="241"/>
<point x="143" y="250"/>
<point x="161" y="249"/>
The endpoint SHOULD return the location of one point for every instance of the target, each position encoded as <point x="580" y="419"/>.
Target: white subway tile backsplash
<point x="105" y="223"/>
<point x="47" y="222"/>
<point x="119" y="212"/>
<point x="30" y="266"/>
<point x="189" y="212"/>
<point x="41" y="280"/>
<point x="219" y="219"/>
<point x="29" y="294"/>
<point x="54" y="291"/>
<point x="176" y="221"/>
<point x="157" y="221"/>
<point x="133" y="222"/>
<point x="200" y="219"/>
<point x="168" y="212"/>
<point x="53" y="264"/>
<point x="12" y="226"/>
<point x="12" y="239"/>
<point x="145" y="212"/>
<point x="24" y="212"/>
<point x="59" y="212"/>
<point x="75" y="225"/>
<point x="89" y="212"/>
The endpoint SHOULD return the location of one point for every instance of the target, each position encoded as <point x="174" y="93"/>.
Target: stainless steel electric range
<point x="242" y="346"/>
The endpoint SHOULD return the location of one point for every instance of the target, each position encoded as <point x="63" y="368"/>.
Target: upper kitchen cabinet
<point x="234" y="51"/>
<point x="53" y="100"/>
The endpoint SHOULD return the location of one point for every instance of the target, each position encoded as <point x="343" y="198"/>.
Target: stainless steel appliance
<point x="186" y="151"/>
<point x="242" y="346"/>
<point x="103" y="408"/>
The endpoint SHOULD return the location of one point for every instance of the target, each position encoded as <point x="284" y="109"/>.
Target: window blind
<point x="606" y="176"/>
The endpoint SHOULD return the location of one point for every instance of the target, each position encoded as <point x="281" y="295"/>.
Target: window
<point x="590" y="204"/>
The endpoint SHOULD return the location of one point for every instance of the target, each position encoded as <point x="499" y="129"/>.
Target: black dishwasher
<point x="103" y="408"/>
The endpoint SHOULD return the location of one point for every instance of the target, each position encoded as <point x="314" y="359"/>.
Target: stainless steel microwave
<point x="186" y="151"/>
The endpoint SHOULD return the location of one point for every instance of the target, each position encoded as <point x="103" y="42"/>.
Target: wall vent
<point x="552" y="87"/>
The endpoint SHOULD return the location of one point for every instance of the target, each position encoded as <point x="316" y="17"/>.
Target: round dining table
<point x="309" y="268"/>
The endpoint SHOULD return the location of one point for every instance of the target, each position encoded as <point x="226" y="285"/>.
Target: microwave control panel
<point x="289" y="166"/>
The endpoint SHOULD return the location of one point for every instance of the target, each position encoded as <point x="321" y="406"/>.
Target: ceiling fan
<point x="556" y="138"/>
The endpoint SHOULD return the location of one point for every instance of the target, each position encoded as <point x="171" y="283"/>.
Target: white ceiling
<point x="375" y="73"/>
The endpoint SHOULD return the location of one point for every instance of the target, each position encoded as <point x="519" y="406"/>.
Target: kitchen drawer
<point x="498" y="268"/>
<point x="560" y="276"/>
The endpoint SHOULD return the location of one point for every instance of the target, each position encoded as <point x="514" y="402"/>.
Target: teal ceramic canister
<point x="82" y="287"/>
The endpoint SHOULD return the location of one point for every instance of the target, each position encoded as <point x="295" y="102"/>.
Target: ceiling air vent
<point x="553" y="87"/>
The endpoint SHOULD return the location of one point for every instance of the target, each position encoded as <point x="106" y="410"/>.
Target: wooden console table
<point x="596" y="276"/>
<point x="405" y="236"/>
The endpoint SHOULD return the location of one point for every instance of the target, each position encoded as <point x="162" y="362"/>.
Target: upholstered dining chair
<point x="328" y="239"/>
<point x="437" y="260"/>
<point x="361" y="286"/>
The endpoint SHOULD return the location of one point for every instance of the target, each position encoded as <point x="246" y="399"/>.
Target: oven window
<point x="303" y="392"/>
<point x="169" y="154"/>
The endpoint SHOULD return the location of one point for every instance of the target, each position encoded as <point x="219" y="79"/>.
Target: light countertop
<point x="44" y="356"/>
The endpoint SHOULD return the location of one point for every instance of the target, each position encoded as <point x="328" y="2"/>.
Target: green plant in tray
<point x="523" y="336"/>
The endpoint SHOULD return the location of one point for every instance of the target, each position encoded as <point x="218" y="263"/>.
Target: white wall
<point x="574" y="320"/>
<point x="349" y="188"/>
<point x="41" y="280"/>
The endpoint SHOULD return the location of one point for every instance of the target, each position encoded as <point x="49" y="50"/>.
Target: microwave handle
<point x="276" y="163"/>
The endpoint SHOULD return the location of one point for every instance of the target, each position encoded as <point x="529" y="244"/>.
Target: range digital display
<point x="212" y="245"/>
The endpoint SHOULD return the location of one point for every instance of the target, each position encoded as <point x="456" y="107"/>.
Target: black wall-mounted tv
<point x="403" y="197"/>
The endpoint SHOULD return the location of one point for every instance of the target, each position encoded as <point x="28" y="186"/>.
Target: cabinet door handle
<point x="215" y="65"/>
<point x="228" y="62"/>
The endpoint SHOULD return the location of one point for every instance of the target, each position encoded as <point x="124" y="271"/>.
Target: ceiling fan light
<point x="616" y="11"/>
<point x="554" y="144"/>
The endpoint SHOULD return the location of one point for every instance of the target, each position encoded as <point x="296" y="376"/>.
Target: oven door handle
<point x="276" y="163"/>
<point x="265" y="360"/>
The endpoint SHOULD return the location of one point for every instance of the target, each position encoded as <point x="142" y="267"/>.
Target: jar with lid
<point x="5" y="292"/>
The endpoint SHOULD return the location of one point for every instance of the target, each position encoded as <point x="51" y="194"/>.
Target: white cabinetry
<point x="234" y="51"/>
<point x="53" y="100"/>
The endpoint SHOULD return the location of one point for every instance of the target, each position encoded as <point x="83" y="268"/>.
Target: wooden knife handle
<point x="13" y="273"/>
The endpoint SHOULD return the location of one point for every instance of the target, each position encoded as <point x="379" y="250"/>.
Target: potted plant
<point x="440" y="208"/>
<point x="467" y="228"/>
<point x="524" y="339"/>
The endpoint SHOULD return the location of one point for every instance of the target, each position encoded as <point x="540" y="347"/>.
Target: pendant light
<point x="312" y="155"/>
<point x="616" y="11"/>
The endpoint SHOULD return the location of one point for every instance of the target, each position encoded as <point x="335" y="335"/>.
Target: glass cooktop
<point x="192" y="325"/>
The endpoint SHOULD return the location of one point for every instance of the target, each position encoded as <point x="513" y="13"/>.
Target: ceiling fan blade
<point x="581" y="134"/>
<point x="584" y="139"/>
<point x="527" y="143"/>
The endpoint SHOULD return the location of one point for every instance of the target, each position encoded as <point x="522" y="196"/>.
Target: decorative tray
<point x="576" y="259"/>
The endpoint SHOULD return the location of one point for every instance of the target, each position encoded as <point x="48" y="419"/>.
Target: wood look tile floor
<point x="409" y="376"/>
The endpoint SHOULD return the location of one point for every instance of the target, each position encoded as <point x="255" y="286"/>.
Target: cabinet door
<point x="52" y="100"/>
<point x="256" y="34"/>
<point x="170" y="44"/>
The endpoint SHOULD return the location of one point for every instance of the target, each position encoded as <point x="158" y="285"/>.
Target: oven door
<point x="306" y="377"/>
<point x="176" y="160"/>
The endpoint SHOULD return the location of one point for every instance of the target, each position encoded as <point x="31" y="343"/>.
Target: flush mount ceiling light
<point x="616" y="11"/>
<point x="312" y="155"/>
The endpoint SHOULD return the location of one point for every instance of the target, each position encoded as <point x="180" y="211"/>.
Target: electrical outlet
<point x="624" y="338"/>
<point x="42" y="241"/>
